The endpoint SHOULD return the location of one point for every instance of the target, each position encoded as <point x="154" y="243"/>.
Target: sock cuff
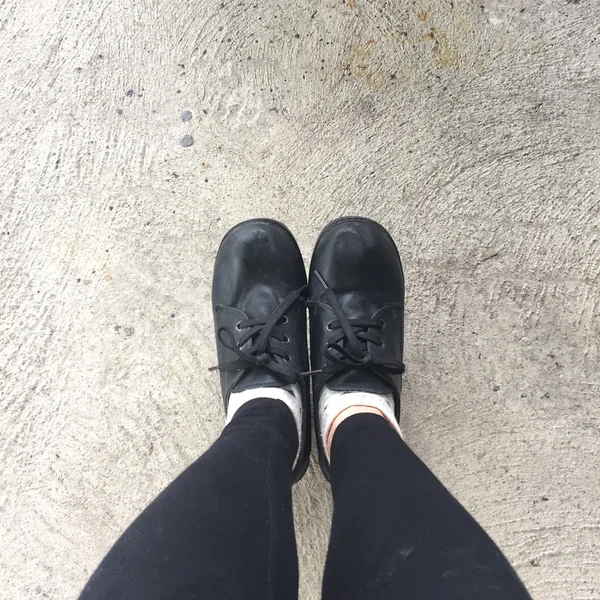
<point x="290" y="395"/>
<point x="332" y="403"/>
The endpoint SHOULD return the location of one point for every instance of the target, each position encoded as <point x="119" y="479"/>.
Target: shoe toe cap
<point x="259" y="252"/>
<point x="358" y="254"/>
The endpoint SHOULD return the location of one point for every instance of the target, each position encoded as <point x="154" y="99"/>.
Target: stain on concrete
<point x="446" y="54"/>
<point x="362" y="67"/>
<point x="187" y="141"/>
<point x="397" y="36"/>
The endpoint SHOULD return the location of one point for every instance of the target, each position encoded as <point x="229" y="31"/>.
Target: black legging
<point x="224" y="528"/>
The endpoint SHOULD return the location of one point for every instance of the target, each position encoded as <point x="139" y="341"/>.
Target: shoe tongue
<point x="258" y="377"/>
<point x="260" y="301"/>
<point x="356" y="306"/>
<point x="362" y="380"/>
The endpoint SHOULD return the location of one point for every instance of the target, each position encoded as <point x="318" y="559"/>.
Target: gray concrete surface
<point x="470" y="129"/>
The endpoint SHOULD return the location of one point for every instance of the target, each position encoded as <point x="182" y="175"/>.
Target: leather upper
<point x="258" y="264"/>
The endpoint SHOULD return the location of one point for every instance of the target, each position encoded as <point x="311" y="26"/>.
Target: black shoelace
<point x="347" y="348"/>
<point x="262" y="353"/>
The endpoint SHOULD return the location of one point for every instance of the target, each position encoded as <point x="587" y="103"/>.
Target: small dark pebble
<point x="110" y="207"/>
<point x="186" y="115"/>
<point x="496" y="388"/>
<point x="130" y="93"/>
<point x="173" y="316"/>
<point x="119" y="111"/>
<point x="117" y="327"/>
<point x="187" y="141"/>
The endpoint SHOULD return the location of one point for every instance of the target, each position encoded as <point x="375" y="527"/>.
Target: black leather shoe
<point x="356" y="300"/>
<point x="258" y="291"/>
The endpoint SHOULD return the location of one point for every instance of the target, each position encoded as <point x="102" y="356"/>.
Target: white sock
<point x="332" y="403"/>
<point x="290" y="395"/>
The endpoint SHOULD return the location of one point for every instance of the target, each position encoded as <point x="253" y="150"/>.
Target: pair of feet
<point x="355" y="295"/>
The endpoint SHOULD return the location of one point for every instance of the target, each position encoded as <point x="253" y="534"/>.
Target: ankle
<point x="285" y="400"/>
<point x="349" y="412"/>
<point x="336" y="406"/>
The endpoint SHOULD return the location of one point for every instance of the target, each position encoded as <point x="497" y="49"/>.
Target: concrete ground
<point x="470" y="129"/>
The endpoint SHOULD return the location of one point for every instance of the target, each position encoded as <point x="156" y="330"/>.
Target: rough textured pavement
<point x="133" y="134"/>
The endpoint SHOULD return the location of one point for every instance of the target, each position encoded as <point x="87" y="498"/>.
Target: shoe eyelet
<point x="382" y="326"/>
<point x="284" y="320"/>
<point x="287" y="359"/>
<point x="381" y="345"/>
<point x="329" y="326"/>
<point x="286" y="340"/>
<point x="238" y="326"/>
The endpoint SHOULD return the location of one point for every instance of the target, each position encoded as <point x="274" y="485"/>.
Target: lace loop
<point x="349" y="349"/>
<point x="263" y="353"/>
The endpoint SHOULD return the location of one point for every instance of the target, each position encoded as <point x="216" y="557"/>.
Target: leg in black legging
<point x="397" y="532"/>
<point x="223" y="529"/>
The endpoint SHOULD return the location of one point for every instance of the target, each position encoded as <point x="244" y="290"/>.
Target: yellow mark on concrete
<point x="352" y="4"/>
<point x="361" y="66"/>
<point x="396" y="36"/>
<point x="465" y="25"/>
<point x="540" y="45"/>
<point x="445" y="53"/>
<point x="424" y="15"/>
